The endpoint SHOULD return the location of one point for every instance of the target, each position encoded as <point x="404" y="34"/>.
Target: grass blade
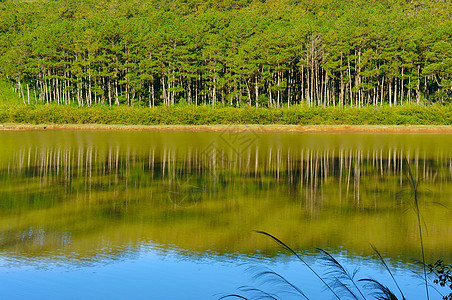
<point x="339" y="272"/>
<point x="387" y="269"/>
<point x="299" y="258"/>
<point x="384" y="293"/>
<point x="281" y="279"/>
<point x="415" y="186"/>
<point x="263" y="294"/>
<point x="233" y="296"/>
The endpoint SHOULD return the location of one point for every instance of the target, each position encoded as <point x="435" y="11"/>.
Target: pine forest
<point x="275" y="53"/>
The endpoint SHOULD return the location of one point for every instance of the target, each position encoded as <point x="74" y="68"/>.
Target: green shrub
<point x="206" y="115"/>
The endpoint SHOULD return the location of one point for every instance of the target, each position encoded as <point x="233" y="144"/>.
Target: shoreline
<point x="251" y="127"/>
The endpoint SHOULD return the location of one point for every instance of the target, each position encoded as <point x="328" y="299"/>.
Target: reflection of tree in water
<point x="123" y="195"/>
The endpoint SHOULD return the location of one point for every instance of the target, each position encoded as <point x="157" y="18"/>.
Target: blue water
<point x="154" y="273"/>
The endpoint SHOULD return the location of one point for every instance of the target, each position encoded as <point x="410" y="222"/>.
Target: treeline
<point x="228" y="53"/>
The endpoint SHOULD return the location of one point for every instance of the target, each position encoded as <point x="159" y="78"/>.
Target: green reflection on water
<point x="75" y="194"/>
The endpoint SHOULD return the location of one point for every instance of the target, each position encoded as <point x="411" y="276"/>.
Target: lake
<point x="172" y="214"/>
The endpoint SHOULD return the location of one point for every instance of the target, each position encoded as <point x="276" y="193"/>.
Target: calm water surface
<point x="170" y="215"/>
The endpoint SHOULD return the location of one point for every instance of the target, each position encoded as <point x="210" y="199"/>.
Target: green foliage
<point x="237" y="53"/>
<point x="205" y="115"/>
<point x="443" y="276"/>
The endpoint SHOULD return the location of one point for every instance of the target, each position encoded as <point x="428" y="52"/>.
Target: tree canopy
<point x="231" y="52"/>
